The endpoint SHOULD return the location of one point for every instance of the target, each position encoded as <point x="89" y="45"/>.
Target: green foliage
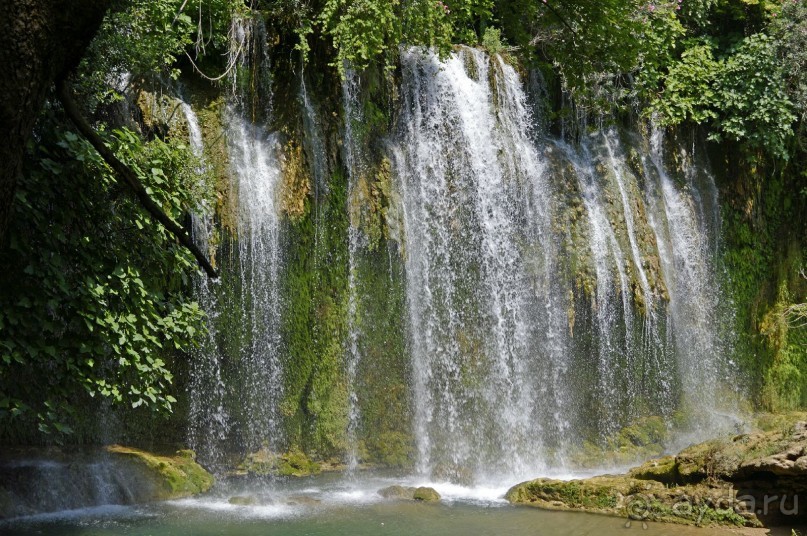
<point x="142" y="39"/>
<point x="590" y="44"/>
<point x="754" y="107"/>
<point x="708" y="75"/>
<point x="492" y="40"/>
<point x="468" y="18"/>
<point x="688" y="87"/>
<point x="365" y="30"/>
<point x="790" y="31"/>
<point x="93" y="298"/>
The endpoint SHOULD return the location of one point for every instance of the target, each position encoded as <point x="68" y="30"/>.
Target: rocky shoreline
<point x="748" y="480"/>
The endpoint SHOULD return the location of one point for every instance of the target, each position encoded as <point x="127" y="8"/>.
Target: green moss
<point x="598" y="493"/>
<point x="315" y="290"/>
<point x="765" y="256"/>
<point x="292" y="463"/>
<point x="175" y="476"/>
<point x="425" y="494"/>
<point x="398" y="492"/>
<point x="635" y="499"/>
<point x="641" y="439"/>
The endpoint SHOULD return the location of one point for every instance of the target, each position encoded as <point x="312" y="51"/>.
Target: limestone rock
<point x="722" y="481"/>
<point x="634" y="499"/>
<point x="661" y="470"/>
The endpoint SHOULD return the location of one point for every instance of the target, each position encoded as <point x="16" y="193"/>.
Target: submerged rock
<point x="304" y="500"/>
<point x="244" y="500"/>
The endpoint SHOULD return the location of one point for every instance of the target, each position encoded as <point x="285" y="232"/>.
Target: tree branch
<point x="560" y="17"/>
<point x="130" y="179"/>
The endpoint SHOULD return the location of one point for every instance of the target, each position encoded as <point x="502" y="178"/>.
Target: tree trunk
<point x="40" y="42"/>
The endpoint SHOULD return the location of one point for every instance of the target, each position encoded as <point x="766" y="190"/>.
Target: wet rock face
<point x="36" y="481"/>
<point x="749" y="479"/>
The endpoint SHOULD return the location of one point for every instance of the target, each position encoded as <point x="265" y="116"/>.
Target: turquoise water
<point x="389" y="519"/>
<point x="331" y="506"/>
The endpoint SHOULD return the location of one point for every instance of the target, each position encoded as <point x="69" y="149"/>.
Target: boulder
<point x="426" y="494"/>
<point x="400" y="493"/>
<point x="302" y="500"/>
<point x="644" y="500"/>
<point x="245" y="500"/>
<point x="408" y="493"/>
<point x="173" y="477"/>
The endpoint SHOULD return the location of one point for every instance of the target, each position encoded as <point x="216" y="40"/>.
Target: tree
<point x="40" y="41"/>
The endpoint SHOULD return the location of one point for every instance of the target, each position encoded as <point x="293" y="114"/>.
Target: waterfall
<point x="315" y="146"/>
<point x="237" y="381"/>
<point x="355" y="167"/>
<point x="208" y="419"/>
<point x="532" y="329"/>
<point x="479" y="269"/>
<point x="256" y="174"/>
<point x="556" y="292"/>
<point x="686" y="260"/>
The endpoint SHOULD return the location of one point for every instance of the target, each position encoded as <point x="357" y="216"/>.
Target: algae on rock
<point x="173" y="477"/>
<point x="292" y="463"/>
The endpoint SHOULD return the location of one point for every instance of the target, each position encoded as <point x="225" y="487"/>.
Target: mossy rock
<point x="173" y="477"/>
<point x="603" y="494"/>
<point x="426" y="494"/>
<point x="401" y="493"/>
<point x="633" y="498"/>
<point x="293" y="463"/>
<point x="642" y="439"/>
<point x="663" y="470"/>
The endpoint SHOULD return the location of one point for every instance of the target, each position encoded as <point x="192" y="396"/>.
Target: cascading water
<point x="208" y="420"/>
<point x="479" y="269"/>
<point x="319" y="159"/>
<point x="687" y="263"/>
<point x="555" y="293"/>
<point x="237" y="383"/>
<point x="354" y="164"/>
<point x="509" y="367"/>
